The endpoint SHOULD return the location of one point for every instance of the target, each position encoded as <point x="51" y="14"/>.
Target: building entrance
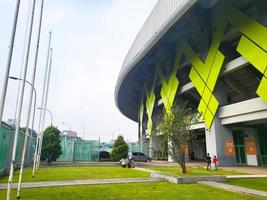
<point x="262" y="138"/>
<point x="240" y="148"/>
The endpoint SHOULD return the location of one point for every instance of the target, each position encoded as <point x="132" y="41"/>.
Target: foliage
<point x="51" y="148"/>
<point x="120" y="149"/>
<point x="177" y="135"/>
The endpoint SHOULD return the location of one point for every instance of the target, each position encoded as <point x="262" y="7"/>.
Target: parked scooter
<point x="127" y="163"/>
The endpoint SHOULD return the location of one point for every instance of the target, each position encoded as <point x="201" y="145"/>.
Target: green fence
<point x="145" y="146"/>
<point x="79" y="150"/>
<point x="6" y="146"/>
<point x="5" y="138"/>
<point x="67" y="148"/>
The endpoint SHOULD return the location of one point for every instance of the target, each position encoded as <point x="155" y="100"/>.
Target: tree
<point x="51" y="148"/>
<point x="120" y="149"/>
<point x="177" y="135"/>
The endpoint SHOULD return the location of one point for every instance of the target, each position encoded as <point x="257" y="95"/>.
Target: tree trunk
<point x="183" y="168"/>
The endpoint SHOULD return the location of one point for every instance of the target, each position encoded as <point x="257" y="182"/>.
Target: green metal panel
<point x="78" y="151"/>
<point x="86" y="150"/>
<point x="5" y="137"/>
<point x="140" y="118"/>
<point x="169" y="88"/>
<point x="134" y="147"/>
<point x="150" y="102"/>
<point x="67" y="148"/>
<point x="145" y="145"/>
<point x="95" y="150"/>
<point x="204" y="74"/>
<point x="19" y="147"/>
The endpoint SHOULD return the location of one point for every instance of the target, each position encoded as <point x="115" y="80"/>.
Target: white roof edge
<point x="130" y="61"/>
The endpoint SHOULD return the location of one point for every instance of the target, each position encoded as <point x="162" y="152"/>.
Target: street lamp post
<point x="51" y="115"/>
<point x="67" y="125"/>
<point x="34" y="108"/>
<point x="83" y="131"/>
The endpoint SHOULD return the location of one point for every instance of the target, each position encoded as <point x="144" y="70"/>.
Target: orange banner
<point x="250" y="146"/>
<point x="229" y="147"/>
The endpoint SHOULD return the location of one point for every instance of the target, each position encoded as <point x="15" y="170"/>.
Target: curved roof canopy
<point x="164" y="15"/>
<point x="169" y="21"/>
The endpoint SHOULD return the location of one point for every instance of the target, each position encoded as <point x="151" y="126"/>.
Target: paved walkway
<point x="83" y="182"/>
<point x="248" y="169"/>
<point x="233" y="188"/>
<point x="246" y="176"/>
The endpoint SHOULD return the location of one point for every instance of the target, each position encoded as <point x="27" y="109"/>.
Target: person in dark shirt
<point x="208" y="159"/>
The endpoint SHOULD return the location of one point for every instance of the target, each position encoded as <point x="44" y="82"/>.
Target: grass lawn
<point x="77" y="173"/>
<point x="136" y="191"/>
<point x="255" y="183"/>
<point x="192" y="171"/>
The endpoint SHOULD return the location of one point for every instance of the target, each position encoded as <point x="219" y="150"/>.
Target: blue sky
<point x="90" y="40"/>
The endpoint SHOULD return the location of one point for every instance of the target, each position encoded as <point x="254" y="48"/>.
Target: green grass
<point x="77" y="173"/>
<point x="192" y="171"/>
<point x="137" y="191"/>
<point x="255" y="183"/>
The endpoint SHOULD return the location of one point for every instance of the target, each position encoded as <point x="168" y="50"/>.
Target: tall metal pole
<point x="83" y="131"/>
<point x="45" y="106"/>
<point x="9" y="58"/>
<point x="50" y="113"/>
<point x="35" y="66"/>
<point x="42" y="111"/>
<point x="23" y="56"/>
<point x="10" y="180"/>
<point x="33" y="119"/>
<point x="29" y="109"/>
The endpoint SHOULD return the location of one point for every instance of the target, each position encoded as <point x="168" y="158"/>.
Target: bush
<point x="120" y="149"/>
<point x="51" y="148"/>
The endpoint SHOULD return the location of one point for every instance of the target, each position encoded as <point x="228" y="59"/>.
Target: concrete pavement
<point x="83" y="182"/>
<point x="233" y="188"/>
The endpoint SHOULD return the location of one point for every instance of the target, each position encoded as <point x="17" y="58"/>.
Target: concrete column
<point x="218" y="134"/>
<point x="151" y="146"/>
<point x="215" y="142"/>
<point x="170" y="158"/>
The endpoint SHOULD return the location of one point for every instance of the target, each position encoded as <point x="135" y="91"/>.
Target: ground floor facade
<point x="236" y="138"/>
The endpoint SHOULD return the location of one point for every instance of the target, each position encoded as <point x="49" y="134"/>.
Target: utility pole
<point x="10" y="179"/>
<point x="45" y="106"/>
<point x="9" y="59"/>
<point x="35" y="66"/>
<point x="29" y="111"/>
<point x="40" y="126"/>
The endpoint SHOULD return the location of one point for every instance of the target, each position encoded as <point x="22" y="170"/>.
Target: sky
<point x="90" y="41"/>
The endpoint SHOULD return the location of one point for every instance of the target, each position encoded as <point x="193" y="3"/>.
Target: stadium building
<point x="213" y="54"/>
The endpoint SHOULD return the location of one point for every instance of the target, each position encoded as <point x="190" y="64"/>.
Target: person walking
<point x="208" y="159"/>
<point x="215" y="162"/>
